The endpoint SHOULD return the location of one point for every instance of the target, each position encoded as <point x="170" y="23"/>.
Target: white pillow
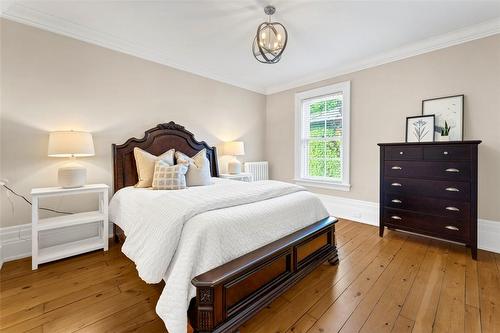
<point x="198" y="173"/>
<point x="145" y="163"/>
<point x="167" y="177"/>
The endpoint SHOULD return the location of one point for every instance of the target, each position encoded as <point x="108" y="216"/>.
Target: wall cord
<point x="29" y="202"/>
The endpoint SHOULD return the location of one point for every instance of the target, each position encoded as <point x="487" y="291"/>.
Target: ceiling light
<point x="270" y="40"/>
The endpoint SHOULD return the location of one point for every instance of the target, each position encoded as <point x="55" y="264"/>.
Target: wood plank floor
<point x="399" y="283"/>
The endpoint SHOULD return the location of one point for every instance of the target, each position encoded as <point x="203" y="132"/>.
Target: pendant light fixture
<point x="270" y="41"/>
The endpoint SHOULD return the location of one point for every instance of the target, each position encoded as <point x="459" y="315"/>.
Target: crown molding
<point x="26" y="15"/>
<point x="456" y="37"/>
<point x="23" y="14"/>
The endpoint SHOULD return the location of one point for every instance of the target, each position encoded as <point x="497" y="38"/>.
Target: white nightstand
<point x="243" y="176"/>
<point x="56" y="252"/>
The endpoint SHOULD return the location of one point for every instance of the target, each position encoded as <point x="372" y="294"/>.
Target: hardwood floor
<point x="399" y="283"/>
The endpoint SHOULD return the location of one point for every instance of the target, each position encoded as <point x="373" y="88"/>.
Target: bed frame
<point x="230" y="294"/>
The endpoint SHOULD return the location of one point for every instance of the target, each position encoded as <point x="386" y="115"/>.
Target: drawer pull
<point x="452" y="170"/>
<point x="450" y="227"/>
<point x="452" y="189"/>
<point x="396" y="201"/>
<point x="396" y="184"/>
<point x="396" y="168"/>
<point x="401" y="153"/>
<point x="455" y="209"/>
<point x="395" y="217"/>
<point x="445" y="153"/>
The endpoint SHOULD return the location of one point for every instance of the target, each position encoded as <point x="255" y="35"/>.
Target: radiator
<point x="259" y="170"/>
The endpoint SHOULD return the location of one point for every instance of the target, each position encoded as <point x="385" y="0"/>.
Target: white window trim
<point x="343" y="185"/>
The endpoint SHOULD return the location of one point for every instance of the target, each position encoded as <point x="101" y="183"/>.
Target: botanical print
<point x="448" y="112"/>
<point x="420" y="129"/>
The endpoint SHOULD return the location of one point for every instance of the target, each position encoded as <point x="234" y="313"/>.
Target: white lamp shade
<point x="234" y="148"/>
<point x="70" y="143"/>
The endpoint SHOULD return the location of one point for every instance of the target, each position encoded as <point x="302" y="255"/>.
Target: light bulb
<point x="263" y="35"/>
<point x="279" y="37"/>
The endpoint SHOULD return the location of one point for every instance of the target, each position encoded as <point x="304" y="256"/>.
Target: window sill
<point x="323" y="184"/>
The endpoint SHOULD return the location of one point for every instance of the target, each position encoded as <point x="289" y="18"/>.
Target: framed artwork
<point x="420" y="128"/>
<point x="449" y="113"/>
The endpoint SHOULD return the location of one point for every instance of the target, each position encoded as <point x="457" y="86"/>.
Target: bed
<point x="225" y="262"/>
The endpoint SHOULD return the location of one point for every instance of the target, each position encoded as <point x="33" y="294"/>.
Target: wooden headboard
<point x="156" y="141"/>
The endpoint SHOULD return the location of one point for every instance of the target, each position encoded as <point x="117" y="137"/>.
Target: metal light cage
<point x="270" y="41"/>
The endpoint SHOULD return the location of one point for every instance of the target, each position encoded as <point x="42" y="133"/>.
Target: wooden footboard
<point x="228" y="295"/>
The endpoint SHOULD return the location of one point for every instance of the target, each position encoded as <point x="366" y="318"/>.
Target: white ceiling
<point x="213" y="38"/>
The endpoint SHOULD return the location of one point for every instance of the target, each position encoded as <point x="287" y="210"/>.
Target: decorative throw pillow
<point x="167" y="177"/>
<point x="145" y="163"/>
<point x="198" y="173"/>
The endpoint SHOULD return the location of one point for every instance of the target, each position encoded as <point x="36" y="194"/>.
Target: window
<point x="322" y="137"/>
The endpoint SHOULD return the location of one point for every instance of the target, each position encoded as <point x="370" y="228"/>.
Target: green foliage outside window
<point x="334" y="128"/>
<point x="317" y="129"/>
<point x="316" y="149"/>
<point x="325" y="122"/>
<point x="316" y="167"/>
<point x="324" y="158"/>
<point x="333" y="149"/>
<point x="333" y="104"/>
<point x="317" y="109"/>
<point x="333" y="169"/>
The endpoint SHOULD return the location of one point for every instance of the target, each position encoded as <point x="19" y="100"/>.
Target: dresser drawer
<point x="437" y="226"/>
<point x="403" y="153"/>
<point x="447" y="153"/>
<point x="452" y="190"/>
<point x="431" y="206"/>
<point x="459" y="171"/>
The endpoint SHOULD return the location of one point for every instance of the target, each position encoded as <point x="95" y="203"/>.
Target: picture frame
<point x="449" y="117"/>
<point x="420" y="128"/>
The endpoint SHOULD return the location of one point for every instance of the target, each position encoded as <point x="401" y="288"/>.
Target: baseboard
<point x="488" y="235"/>
<point x="351" y="209"/>
<point x="15" y="241"/>
<point x="368" y="212"/>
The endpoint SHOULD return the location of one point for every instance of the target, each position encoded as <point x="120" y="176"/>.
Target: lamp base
<point x="234" y="167"/>
<point x="72" y="176"/>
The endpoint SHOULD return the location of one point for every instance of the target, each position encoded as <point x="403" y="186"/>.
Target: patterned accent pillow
<point x="167" y="177"/>
<point x="198" y="173"/>
<point x="145" y="163"/>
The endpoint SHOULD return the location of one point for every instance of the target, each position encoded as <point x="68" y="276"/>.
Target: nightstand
<point x="243" y="176"/>
<point x="43" y="255"/>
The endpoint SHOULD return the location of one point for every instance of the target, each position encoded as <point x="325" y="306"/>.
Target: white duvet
<point x="176" y="235"/>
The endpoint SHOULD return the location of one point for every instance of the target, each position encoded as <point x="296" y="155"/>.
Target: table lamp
<point x="71" y="144"/>
<point x="234" y="148"/>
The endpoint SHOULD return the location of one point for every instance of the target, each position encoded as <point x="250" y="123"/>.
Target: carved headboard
<point x="156" y="141"/>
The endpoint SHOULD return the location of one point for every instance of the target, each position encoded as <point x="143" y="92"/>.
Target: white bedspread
<point x="176" y="235"/>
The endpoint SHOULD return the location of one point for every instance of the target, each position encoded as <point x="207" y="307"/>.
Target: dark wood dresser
<point x="431" y="189"/>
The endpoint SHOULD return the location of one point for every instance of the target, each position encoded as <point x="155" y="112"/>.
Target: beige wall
<point x="51" y="82"/>
<point x="381" y="99"/>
